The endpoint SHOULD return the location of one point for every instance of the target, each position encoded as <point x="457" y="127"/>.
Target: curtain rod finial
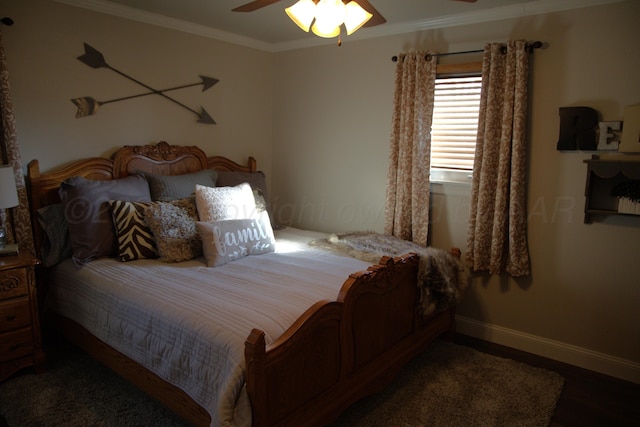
<point x="534" y="45"/>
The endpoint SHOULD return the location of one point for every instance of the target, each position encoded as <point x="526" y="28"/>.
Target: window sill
<point x="445" y="181"/>
<point x="451" y="176"/>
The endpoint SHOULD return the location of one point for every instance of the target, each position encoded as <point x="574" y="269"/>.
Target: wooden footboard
<point x="340" y="351"/>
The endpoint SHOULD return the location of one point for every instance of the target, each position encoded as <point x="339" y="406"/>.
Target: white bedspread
<point x="188" y="323"/>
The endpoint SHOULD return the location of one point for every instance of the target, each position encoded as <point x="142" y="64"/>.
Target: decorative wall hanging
<point x="577" y="128"/>
<point x="88" y="106"/>
<point x="580" y="129"/>
<point x="608" y="139"/>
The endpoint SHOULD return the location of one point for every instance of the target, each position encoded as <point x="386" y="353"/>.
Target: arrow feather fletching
<point x="87" y="106"/>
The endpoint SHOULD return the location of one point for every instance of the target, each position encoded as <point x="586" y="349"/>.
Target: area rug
<point x="453" y="385"/>
<point x="448" y="385"/>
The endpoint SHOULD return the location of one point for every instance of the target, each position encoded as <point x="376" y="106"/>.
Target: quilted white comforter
<point x="188" y="323"/>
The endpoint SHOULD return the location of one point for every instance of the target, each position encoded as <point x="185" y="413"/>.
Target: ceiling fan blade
<point x="254" y="5"/>
<point x="376" y="19"/>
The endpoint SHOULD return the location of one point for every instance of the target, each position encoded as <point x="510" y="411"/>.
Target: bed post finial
<point x="33" y="169"/>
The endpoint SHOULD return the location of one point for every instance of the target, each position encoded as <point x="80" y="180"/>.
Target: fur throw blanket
<point x="441" y="276"/>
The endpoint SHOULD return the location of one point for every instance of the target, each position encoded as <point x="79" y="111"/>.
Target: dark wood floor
<point x="588" y="398"/>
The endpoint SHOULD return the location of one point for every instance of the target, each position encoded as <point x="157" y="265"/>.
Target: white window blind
<point x="455" y="122"/>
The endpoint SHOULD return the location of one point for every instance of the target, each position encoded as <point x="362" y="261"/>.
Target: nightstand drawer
<point x="13" y="283"/>
<point x="14" y="313"/>
<point x="15" y="344"/>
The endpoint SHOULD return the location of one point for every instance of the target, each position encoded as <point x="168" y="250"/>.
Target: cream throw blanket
<point x="441" y="276"/>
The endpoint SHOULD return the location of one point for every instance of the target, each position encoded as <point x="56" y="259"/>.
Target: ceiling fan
<point x="376" y="19"/>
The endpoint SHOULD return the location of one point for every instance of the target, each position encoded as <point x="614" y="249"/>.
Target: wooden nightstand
<point x="20" y="338"/>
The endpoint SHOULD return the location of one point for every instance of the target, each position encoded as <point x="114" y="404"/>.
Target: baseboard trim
<point x="556" y="350"/>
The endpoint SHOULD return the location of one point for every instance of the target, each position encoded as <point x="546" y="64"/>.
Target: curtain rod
<point x="529" y="46"/>
<point x="6" y="21"/>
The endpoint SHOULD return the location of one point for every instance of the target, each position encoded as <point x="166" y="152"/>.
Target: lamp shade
<point x="8" y="192"/>
<point x="302" y="13"/>
<point x="355" y="17"/>
<point x="325" y="31"/>
<point x="330" y="15"/>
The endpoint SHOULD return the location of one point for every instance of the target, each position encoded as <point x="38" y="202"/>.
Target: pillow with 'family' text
<point x="229" y="240"/>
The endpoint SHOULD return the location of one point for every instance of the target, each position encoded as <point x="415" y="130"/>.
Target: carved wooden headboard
<point x="160" y="158"/>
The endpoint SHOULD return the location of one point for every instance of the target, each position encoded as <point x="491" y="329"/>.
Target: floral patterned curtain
<point x="17" y="220"/>
<point x="407" y="200"/>
<point x="497" y="239"/>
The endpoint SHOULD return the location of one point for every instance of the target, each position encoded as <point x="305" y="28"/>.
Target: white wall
<point x="42" y="47"/>
<point x="331" y="133"/>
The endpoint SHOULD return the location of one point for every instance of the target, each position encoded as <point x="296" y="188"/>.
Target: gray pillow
<point x="165" y="188"/>
<point x="88" y="215"/>
<point x="257" y="180"/>
<point x="56" y="245"/>
<point x="232" y="239"/>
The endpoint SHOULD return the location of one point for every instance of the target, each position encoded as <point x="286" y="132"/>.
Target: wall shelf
<point x="603" y="175"/>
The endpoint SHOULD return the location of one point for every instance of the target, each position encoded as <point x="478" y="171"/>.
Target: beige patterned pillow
<point x="173" y="225"/>
<point x="224" y="203"/>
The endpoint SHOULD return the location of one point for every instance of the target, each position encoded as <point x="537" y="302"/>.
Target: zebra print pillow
<point x="135" y="240"/>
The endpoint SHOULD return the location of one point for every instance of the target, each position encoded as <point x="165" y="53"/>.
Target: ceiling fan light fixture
<point x="326" y="32"/>
<point x="330" y="15"/>
<point x="327" y="16"/>
<point x="302" y="13"/>
<point x="355" y="17"/>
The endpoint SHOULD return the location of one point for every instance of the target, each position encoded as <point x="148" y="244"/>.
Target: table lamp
<point x="8" y="197"/>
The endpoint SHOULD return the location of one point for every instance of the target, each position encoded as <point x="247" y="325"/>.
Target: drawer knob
<point x="11" y="316"/>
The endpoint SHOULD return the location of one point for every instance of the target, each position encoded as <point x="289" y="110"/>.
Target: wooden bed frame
<point x="336" y="353"/>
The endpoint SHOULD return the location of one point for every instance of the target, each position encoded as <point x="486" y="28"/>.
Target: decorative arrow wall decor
<point x="88" y="106"/>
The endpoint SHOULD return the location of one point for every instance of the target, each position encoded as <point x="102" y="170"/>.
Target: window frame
<point x="455" y="70"/>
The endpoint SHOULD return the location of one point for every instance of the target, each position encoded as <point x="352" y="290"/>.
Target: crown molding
<point x="151" y="18"/>
<point x="486" y="15"/>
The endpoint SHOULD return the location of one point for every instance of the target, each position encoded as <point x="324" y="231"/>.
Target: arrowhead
<point x="92" y="57"/>
<point x="207" y="82"/>
<point x="205" y="117"/>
